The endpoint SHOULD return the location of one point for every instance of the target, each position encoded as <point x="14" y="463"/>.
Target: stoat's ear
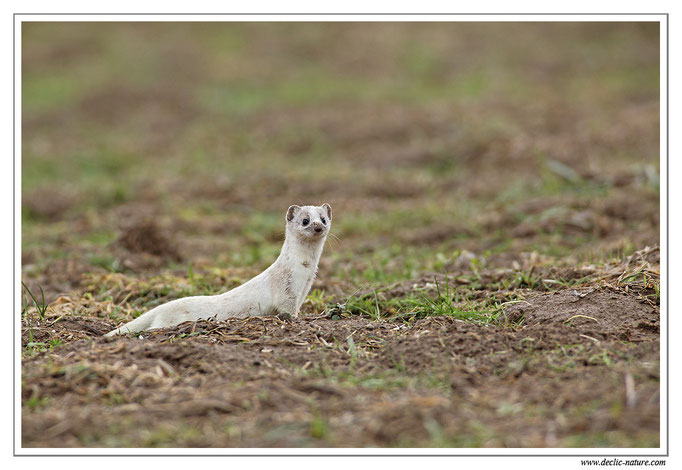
<point x="292" y="212"/>
<point x="328" y="208"/>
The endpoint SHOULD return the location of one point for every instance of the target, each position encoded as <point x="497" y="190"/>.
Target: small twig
<point x="584" y="316"/>
<point x="515" y="302"/>
<point x="589" y="337"/>
<point x="53" y="322"/>
<point x="630" y="393"/>
<point x="57" y="429"/>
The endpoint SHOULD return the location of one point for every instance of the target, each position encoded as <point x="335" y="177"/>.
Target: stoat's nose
<point x="318" y="229"/>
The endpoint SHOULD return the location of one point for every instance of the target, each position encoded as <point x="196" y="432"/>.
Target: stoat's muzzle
<point x="315" y="230"/>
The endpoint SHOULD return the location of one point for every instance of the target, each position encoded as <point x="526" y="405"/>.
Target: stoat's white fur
<point x="280" y="289"/>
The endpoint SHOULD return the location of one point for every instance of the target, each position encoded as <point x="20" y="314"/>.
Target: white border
<point x="17" y="236"/>
<point x="331" y="17"/>
<point x="663" y="217"/>
<point x="596" y="452"/>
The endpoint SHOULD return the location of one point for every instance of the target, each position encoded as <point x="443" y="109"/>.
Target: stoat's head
<point x="309" y="222"/>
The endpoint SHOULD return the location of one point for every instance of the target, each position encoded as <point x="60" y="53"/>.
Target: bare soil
<point x="261" y="382"/>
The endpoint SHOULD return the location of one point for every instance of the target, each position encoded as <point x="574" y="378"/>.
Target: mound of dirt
<point x="603" y="313"/>
<point x="145" y="236"/>
<point x="48" y="204"/>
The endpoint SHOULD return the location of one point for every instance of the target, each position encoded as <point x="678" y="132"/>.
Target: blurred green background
<point x="428" y="139"/>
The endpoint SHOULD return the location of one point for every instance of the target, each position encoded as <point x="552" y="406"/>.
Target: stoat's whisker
<point x="332" y="244"/>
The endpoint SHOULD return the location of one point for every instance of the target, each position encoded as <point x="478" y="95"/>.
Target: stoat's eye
<point x="305" y="222"/>
<point x="324" y="221"/>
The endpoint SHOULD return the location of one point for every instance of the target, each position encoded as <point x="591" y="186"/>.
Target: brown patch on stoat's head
<point x="328" y="209"/>
<point x="291" y="213"/>
<point x="309" y="222"/>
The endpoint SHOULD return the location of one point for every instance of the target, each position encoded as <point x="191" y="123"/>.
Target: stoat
<point x="279" y="290"/>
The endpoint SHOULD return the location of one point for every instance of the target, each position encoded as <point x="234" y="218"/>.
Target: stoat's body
<point x="280" y="289"/>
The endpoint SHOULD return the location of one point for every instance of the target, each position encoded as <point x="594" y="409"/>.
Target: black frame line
<point x="667" y="234"/>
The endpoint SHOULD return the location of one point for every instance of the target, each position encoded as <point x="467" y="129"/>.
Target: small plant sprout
<point x="41" y="307"/>
<point x="338" y="310"/>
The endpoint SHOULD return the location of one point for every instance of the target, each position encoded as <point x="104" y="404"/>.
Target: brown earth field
<point x="493" y="277"/>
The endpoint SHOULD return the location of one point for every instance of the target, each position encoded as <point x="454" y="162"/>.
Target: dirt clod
<point x="146" y="236"/>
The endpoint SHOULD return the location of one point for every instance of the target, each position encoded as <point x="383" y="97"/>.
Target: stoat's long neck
<point x="300" y="250"/>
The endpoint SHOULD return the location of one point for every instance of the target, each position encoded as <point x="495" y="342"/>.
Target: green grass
<point x="446" y="302"/>
<point x="48" y="93"/>
<point x="438" y="300"/>
<point x="35" y="403"/>
<point x="40" y="305"/>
